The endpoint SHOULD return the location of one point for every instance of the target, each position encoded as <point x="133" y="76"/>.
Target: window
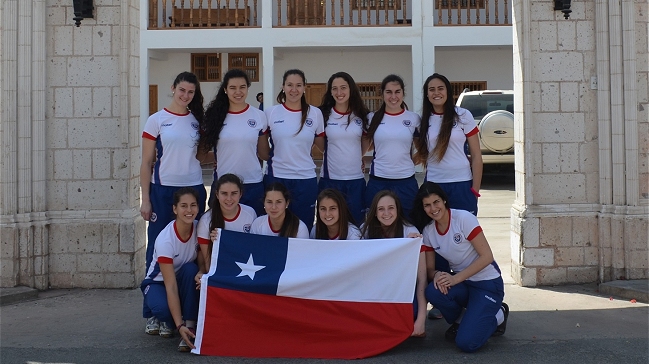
<point x="377" y="4"/>
<point x="247" y="62"/>
<point x="371" y="94"/>
<point x="207" y="67"/>
<point x="463" y="4"/>
<point x="458" y="87"/>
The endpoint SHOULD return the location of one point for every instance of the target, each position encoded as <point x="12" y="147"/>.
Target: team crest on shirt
<point x="153" y="217"/>
<point x="308" y="122"/>
<point x="457" y="238"/>
<point x="407" y="123"/>
<point x="252" y="123"/>
<point x="246" y="228"/>
<point x="195" y="126"/>
<point x="358" y="121"/>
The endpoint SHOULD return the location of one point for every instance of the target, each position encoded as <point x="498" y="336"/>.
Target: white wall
<point x="318" y="65"/>
<point x="491" y="64"/>
<point x="163" y="72"/>
<point x="362" y="65"/>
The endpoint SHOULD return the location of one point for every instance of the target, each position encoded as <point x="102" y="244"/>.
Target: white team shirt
<point x="407" y="229"/>
<point x="455" y="166"/>
<point x="393" y="145"/>
<point x="236" y="150"/>
<point x="261" y="226"/>
<point x="170" y="248"/>
<point x="176" y="138"/>
<point x="290" y="154"/>
<point x="343" y="152"/>
<point x="241" y="223"/>
<point x="455" y="243"/>
<point x="353" y="233"/>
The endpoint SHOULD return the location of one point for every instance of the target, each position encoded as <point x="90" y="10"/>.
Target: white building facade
<point x="74" y="101"/>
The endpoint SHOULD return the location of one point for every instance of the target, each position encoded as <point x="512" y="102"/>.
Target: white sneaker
<point x="183" y="347"/>
<point x="165" y="330"/>
<point x="152" y="326"/>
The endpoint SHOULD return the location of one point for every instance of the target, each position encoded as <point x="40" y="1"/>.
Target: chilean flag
<point x="282" y="297"/>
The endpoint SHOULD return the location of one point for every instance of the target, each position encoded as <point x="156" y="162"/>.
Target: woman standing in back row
<point x="444" y="130"/>
<point x="392" y="131"/>
<point x="236" y="132"/>
<point x="294" y="127"/>
<point x="170" y="138"/>
<point x="345" y="118"/>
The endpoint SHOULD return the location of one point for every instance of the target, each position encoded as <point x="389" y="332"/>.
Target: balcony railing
<point x="472" y="12"/>
<point x="203" y="14"/>
<point x="301" y="13"/>
<point x="164" y="14"/>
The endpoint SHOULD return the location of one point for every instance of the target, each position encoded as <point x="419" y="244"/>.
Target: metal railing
<point x="472" y="12"/>
<point x="164" y="14"/>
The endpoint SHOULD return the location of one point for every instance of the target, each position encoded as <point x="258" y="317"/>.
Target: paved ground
<point x="546" y="325"/>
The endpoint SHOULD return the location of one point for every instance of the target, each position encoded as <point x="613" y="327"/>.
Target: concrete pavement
<point x="546" y="325"/>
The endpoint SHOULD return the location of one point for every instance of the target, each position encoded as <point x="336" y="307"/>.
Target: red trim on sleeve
<point x="165" y="260"/>
<point x="477" y="230"/>
<point x="473" y="132"/>
<point x="148" y="136"/>
<point x="320" y="135"/>
<point x="426" y="248"/>
<point x="240" y="112"/>
<point x="203" y="241"/>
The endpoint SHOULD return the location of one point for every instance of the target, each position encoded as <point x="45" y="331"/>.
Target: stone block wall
<point x="72" y="220"/>
<point x="582" y="202"/>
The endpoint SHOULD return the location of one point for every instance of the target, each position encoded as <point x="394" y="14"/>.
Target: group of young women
<point x="287" y="198"/>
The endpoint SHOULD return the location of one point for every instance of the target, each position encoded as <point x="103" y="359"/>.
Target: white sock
<point x="459" y="319"/>
<point x="500" y="316"/>
<point x="190" y="324"/>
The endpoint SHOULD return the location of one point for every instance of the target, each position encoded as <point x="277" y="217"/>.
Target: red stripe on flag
<point x="257" y="325"/>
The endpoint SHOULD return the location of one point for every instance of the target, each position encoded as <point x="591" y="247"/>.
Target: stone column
<point x="580" y="213"/>
<point x="70" y="146"/>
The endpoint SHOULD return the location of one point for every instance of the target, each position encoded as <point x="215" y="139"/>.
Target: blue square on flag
<point x="249" y="262"/>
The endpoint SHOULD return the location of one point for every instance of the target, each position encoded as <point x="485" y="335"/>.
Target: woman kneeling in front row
<point x="169" y="289"/>
<point x="470" y="298"/>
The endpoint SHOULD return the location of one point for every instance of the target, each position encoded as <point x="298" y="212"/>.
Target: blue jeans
<point x="482" y="300"/>
<point x="155" y="296"/>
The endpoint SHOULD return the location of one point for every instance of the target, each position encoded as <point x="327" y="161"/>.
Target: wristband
<point x="181" y="325"/>
<point x="475" y="192"/>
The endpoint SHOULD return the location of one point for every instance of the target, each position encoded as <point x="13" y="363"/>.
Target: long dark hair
<point x="291" y="223"/>
<point x="344" y="215"/>
<point x="218" y="221"/>
<point x="418" y="216"/>
<point x="355" y="106"/>
<point x="217" y="111"/>
<point x="196" y="105"/>
<point x="281" y="97"/>
<point x="380" y="113"/>
<point x="449" y="117"/>
<point x="373" y="229"/>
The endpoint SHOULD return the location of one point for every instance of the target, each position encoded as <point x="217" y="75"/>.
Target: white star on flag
<point x="249" y="268"/>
